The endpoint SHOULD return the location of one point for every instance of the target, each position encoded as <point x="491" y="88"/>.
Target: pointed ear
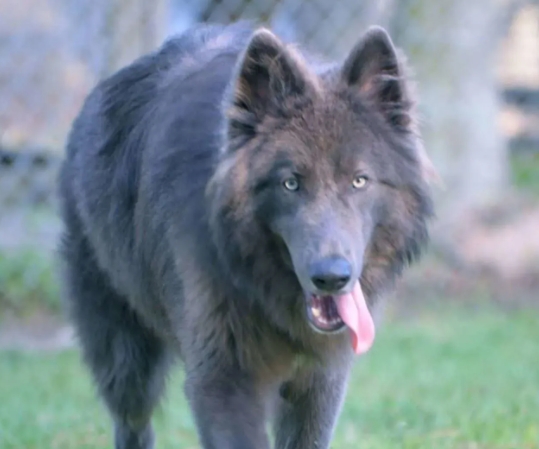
<point x="373" y="69"/>
<point x="267" y="75"/>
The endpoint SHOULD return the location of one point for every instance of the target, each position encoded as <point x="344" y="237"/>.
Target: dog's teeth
<point x="319" y="316"/>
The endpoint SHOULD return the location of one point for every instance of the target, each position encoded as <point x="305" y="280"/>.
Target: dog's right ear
<point x="267" y="74"/>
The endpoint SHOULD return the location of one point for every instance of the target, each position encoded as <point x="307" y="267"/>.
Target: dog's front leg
<point x="228" y="412"/>
<point x="309" y="410"/>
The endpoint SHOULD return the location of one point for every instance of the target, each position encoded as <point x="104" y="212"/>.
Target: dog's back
<point x="116" y="259"/>
<point x="100" y="181"/>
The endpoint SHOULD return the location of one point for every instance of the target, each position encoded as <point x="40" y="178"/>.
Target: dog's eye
<point x="291" y="184"/>
<point x="360" y="181"/>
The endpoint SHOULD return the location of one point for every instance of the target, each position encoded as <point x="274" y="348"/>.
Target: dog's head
<point x="323" y="176"/>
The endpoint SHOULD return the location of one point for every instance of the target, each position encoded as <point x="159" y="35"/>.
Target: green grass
<point x="449" y="379"/>
<point x="28" y="260"/>
<point x="28" y="282"/>
<point x="525" y="172"/>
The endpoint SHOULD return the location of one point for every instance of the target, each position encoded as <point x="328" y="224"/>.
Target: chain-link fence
<point x="477" y="66"/>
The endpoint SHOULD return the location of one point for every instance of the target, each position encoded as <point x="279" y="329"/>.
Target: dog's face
<point x="328" y="169"/>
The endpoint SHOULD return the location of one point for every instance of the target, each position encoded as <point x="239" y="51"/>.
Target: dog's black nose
<point x="330" y="274"/>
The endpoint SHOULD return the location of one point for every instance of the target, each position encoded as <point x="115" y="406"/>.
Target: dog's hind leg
<point x="309" y="410"/>
<point x="127" y="360"/>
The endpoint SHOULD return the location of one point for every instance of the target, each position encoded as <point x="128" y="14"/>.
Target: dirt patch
<point x="40" y="332"/>
<point x="508" y="249"/>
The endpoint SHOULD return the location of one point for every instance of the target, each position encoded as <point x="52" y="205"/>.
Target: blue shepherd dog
<point x="231" y="203"/>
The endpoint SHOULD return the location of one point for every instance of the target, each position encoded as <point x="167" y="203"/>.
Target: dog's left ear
<point x="374" y="70"/>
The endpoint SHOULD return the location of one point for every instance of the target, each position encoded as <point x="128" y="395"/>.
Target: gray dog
<point x="231" y="203"/>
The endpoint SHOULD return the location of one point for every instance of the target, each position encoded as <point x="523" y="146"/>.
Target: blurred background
<point x="476" y="64"/>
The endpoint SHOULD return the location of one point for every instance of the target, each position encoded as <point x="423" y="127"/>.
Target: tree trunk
<point x="452" y="46"/>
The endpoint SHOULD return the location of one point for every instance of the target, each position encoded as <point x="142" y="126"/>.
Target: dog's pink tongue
<point x="354" y="312"/>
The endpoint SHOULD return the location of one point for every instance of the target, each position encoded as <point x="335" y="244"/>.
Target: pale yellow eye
<point x="291" y="184"/>
<point x="359" y="182"/>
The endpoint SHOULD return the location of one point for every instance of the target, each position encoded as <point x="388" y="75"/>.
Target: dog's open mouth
<point x="323" y="314"/>
<point x="331" y="313"/>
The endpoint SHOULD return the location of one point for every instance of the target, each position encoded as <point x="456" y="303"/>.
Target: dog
<point x="232" y="202"/>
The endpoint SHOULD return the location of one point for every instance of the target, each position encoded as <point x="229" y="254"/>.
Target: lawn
<point x="449" y="378"/>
